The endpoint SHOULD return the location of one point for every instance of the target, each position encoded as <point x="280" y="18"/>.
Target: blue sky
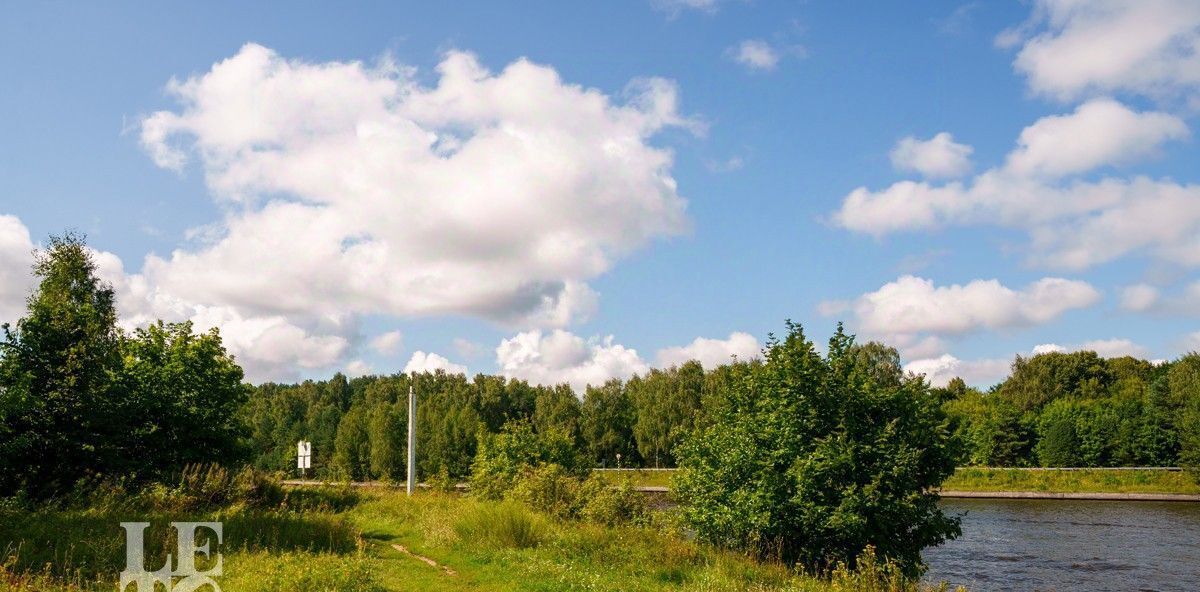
<point x="726" y="209"/>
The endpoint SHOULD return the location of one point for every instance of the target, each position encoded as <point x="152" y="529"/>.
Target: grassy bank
<point x="387" y="541"/>
<point x="1080" y="481"/>
<point x="989" y="479"/>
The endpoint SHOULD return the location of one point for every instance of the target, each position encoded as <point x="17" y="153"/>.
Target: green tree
<point x="813" y="460"/>
<point x="1058" y="435"/>
<point x="352" y="446"/>
<point x="608" y="425"/>
<point x="666" y="407"/>
<point x="387" y="434"/>
<point x="1046" y="377"/>
<point x="184" y="392"/>
<point x="557" y="408"/>
<point x="61" y="403"/>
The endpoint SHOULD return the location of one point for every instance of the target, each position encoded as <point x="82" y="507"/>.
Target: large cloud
<point x="350" y="189"/>
<point x="1071" y="48"/>
<point x="354" y="188"/>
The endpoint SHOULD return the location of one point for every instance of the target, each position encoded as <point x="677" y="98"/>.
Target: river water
<point x="1057" y="545"/>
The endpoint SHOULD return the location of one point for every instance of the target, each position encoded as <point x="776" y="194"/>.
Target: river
<point x="1056" y="545"/>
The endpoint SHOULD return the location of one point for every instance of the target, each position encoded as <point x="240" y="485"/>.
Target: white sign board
<point x="303" y="455"/>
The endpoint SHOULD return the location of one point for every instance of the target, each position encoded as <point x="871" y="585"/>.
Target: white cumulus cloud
<point x="1139" y="297"/>
<point x="937" y="157"/>
<point x="1072" y="48"/>
<point x="712" y="352"/>
<point x="912" y="305"/>
<point x="558" y="357"/>
<point x="350" y="189"/>
<point x="354" y="188"/>
<point x="431" y="362"/>
<point x="1072" y="223"/>
<point x="1105" y="348"/>
<point x="1099" y="132"/>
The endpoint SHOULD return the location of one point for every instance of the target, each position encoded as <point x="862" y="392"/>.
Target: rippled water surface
<point x="1054" y="545"/>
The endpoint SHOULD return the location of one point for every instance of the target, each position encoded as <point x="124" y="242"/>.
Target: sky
<point x="572" y="192"/>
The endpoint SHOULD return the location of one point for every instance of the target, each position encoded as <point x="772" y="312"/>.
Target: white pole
<point x="412" y="437"/>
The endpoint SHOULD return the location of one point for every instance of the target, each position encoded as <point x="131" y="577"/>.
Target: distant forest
<point x="1054" y="409"/>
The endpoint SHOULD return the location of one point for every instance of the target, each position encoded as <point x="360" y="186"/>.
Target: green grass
<point x="988" y="479"/>
<point x="502" y="546"/>
<point x="1081" y="481"/>
<point x="645" y="478"/>
<point x="477" y="546"/>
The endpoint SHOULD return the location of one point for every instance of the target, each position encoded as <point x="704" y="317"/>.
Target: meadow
<point x="338" y="539"/>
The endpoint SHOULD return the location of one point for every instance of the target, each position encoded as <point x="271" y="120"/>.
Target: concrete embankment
<point x="1038" y="495"/>
<point x="1052" y="495"/>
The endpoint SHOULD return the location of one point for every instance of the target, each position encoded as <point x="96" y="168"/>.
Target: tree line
<point x="1054" y="409"/>
<point x="1081" y="410"/>
<point x="357" y="426"/>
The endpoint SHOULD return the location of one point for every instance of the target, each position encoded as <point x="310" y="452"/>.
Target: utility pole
<point x="412" y="435"/>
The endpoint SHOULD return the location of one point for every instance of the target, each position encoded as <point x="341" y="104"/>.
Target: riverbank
<point x="1132" y="484"/>
<point x="1080" y="481"/>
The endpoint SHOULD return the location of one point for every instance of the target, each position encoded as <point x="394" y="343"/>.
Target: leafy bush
<point x="502" y="458"/>
<point x="549" y="489"/>
<point x="815" y="458"/>
<point x="441" y="481"/>
<point x="605" y="502"/>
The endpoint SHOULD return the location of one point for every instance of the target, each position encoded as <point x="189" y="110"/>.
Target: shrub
<point x="441" y="481"/>
<point x="549" y="489"/>
<point x="502" y="458"/>
<point x="813" y="459"/>
<point x="609" y="503"/>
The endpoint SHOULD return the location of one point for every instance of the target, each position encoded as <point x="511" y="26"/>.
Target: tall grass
<point x="504" y="525"/>
<point x="77" y="543"/>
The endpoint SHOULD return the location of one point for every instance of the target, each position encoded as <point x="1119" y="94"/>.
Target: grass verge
<point x="1080" y="481"/>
